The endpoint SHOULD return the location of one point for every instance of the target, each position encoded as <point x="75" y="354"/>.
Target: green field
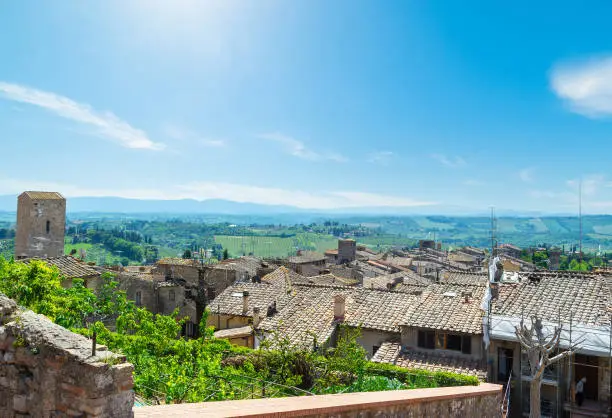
<point x="266" y="246"/>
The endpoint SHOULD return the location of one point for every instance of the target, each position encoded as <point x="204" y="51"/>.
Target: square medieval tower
<point x="41" y="225"/>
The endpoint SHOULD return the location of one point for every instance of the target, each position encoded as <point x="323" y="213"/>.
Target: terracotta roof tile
<point x="282" y="276"/>
<point x="309" y="315"/>
<point x="234" y="332"/>
<point x="43" y="195"/>
<point x="261" y="295"/>
<point x="69" y="267"/>
<point x="585" y="298"/>
<point x="392" y="353"/>
<point x="306" y="257"/>
<point x="443" y="307"/>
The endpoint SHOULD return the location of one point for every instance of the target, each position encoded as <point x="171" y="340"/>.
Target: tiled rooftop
<point x="234" y="332"/>
<point x="330" y="279"/>
<point x="464" y="277"/>
<point x="175" y="261"/>
<point x="586" y="298"/>
<point x="310" y="312"/>
<point x="378" y="309"/>
<point x="443" y="307"/>
<point x="68" y="266"/>
<point x="518" y="261"/>
<point x="460" y="257"/>
<point x="391" y="353"/>
<point x="261" y="295"/>
<point x="306" y="257"/>
<point x="43" y="195"/>
<point x="281" y="276"/>
<point x="509" y="247"/>
<point x="308" y="315"/>
<point x="247" y="263"/>
<point x="397" y="281"/>
<point x="306" y="311"/>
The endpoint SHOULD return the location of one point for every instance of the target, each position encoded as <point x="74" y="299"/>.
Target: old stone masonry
<point x="47" y="371"/>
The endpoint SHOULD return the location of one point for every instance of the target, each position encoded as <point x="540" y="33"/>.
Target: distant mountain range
<point x="8" y="203"/>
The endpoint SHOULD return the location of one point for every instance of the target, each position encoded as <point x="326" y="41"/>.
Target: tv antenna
<point x="580" y="218"/>
<point x="493" y="233"/>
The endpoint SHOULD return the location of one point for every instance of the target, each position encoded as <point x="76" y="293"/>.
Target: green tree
<point x="187" y="254"/>
<point x="225" y="254"/>
<point x="575" y="265"/>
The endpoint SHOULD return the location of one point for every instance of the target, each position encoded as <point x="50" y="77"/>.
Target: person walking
<point x="580" y="391"/>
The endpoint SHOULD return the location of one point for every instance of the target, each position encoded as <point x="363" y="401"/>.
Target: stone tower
<point x="347" y="250"/>
<point x="554" y="256"/>
<point x="41" y="224"/>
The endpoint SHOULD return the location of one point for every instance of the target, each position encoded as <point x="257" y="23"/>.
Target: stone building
<point x="509" y="250"/>
<point x="347" y="250"/>
<point x="579" y="303"/>
<point x="41" y="225"/>
<point x="554" y="259"/>
<point x="70" y="268"/>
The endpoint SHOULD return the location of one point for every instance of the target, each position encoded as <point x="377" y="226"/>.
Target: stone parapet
<point x="483" y="401"/>
<point x="48" y="371"/>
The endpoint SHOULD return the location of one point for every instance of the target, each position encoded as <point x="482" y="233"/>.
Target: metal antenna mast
<point x="493" y="233"/>
<point x="580" y="217"/>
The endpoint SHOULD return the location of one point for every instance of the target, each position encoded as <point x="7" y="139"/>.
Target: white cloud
<point x="452" y="161"/>
<point x="381" y="157"/>
<point x="526" y="175"/>
<point x="229" y="191"/>
<point x="182" y="134"/>
<point x="106" y="124"/>
<point x="298" y="149"/>
<point x="586" y="86"/>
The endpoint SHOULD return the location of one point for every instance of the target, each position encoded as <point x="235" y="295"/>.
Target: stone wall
<point x="219" y="278"/>
<point x="482" y="401"/>
<point x="139" y="289"/>
<point x="47" y="371"/>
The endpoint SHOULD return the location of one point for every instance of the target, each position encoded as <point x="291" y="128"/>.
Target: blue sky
<point x="310" y="103"/>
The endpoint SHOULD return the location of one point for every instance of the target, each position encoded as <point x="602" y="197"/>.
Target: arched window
<point x="48" y="226"/>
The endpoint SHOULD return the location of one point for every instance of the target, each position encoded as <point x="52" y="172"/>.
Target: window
<point x="138" y="298"/>
<point x="427" y="339"/>
<point x="454" y="342"/>
<point x="48" y="226"/>
<point x="172" y="295"/>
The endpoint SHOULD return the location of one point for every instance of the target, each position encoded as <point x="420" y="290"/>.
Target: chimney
<point x="339" y="308"/>
<point x="256" y="316"/>
<point x="467" y="295"/>
<point x="245" y="302"/>
<point x="494" y="290"/>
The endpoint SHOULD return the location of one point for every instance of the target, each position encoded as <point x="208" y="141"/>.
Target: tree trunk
<point x="534" y="397"/>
